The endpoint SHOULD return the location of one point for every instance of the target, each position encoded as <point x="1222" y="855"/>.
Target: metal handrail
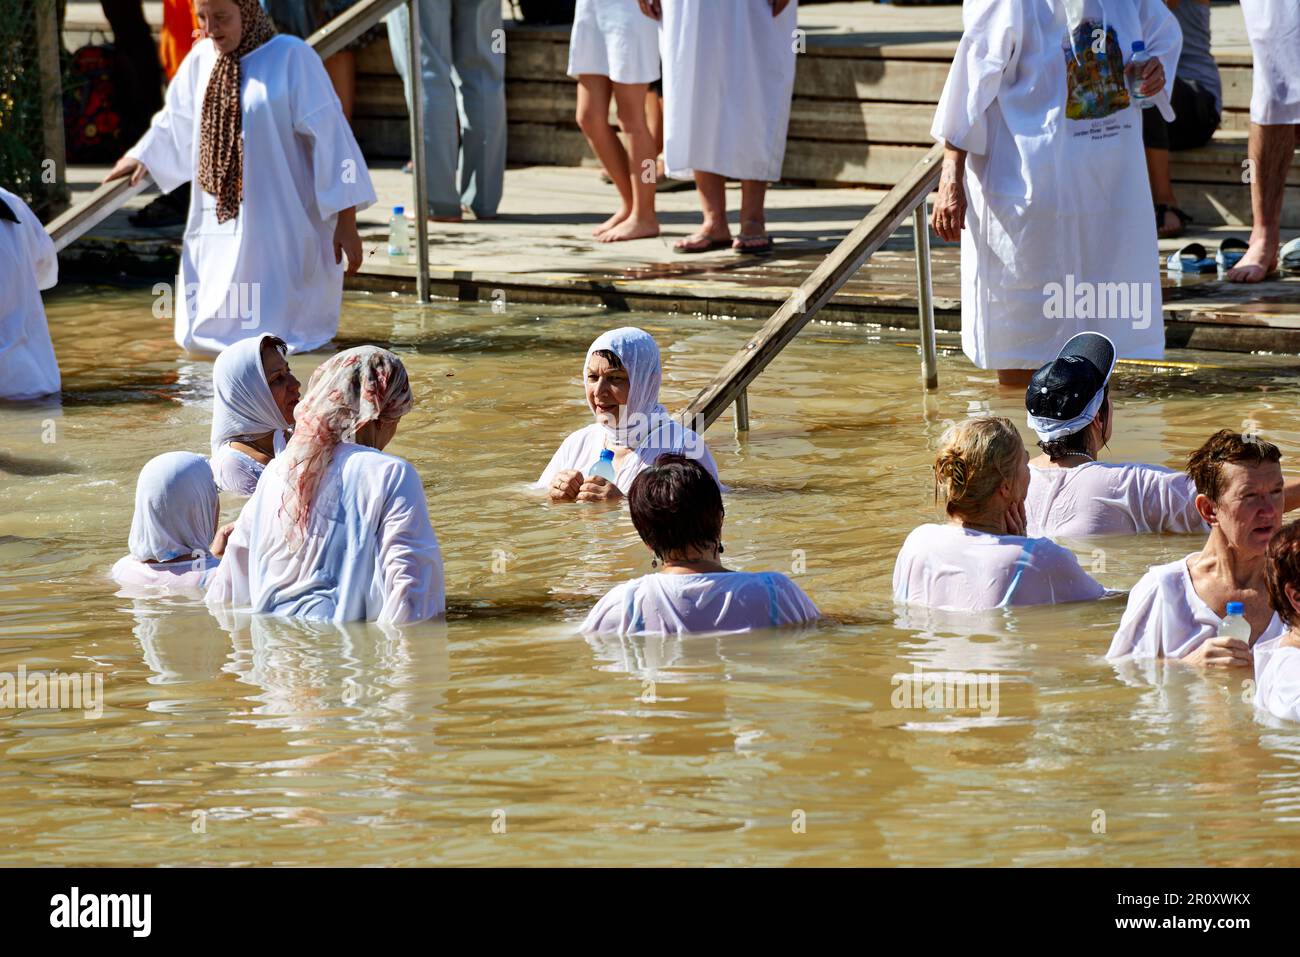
<point x="908" y="197"/>
<point x="328" y="40"/>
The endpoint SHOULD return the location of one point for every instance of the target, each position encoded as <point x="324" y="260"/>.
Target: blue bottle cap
<point x="398" y="210"/>
<point x="607" y="455"/>
<point x="1236" y="608"/>
<point x="1139" y="46"/>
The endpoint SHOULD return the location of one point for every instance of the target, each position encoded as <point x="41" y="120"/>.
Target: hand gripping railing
<point x="908" y="197"/>
<point x="326" y="41"/>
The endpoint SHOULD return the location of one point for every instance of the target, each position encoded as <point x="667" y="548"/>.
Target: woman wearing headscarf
<point x="172" y="530"/>
<point x="621" y="376"/>
<point x="1044" y="178"/>
<point x="337" y="530"/>
<point x="253" y="397"/>
<point x="252" y="117"/>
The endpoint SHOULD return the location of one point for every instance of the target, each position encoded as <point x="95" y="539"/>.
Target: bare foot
<point x="1258" y="263"/>
<point x="610" y="223"/>
<point x="631" y="229"/>
<point x="702" y="242"/>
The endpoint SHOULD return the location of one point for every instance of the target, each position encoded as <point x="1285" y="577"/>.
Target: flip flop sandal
<point x="1183" y="220"/>
<point x="709" y="246"/>
<point x="758" y="245"/>
<point x="1230" y="252"/>
<point x="1289" y="256"/>
<point x="1191" y="258"/>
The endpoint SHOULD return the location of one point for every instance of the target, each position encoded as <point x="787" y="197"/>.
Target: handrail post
<point x="741" y="410"/>
<point x="415" y="84"/>
<point x="925" y="296"/>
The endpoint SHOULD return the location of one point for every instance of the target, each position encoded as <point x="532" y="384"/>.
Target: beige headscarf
<point x="360" y="385"/>
<point x="221" y="145"/>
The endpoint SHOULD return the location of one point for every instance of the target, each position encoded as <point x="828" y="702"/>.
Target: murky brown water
<point x="369" y="746"/>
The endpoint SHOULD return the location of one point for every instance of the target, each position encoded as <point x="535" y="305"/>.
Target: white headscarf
<point x="175" y="508"/>
<point x="242" y="404"/>
<point x="643" y="413"/>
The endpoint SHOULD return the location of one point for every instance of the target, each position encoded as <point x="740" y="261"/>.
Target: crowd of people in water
<point x="335" y="528"/>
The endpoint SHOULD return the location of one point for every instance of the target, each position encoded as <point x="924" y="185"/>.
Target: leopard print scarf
<point x="221" y="143"/>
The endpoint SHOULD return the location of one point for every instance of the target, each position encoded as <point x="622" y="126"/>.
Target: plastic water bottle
<point x="397" y="243"/>
<point x="1234" y="624"/>
<point x="1134" y="71"/>
<point x="603" y="466"/>
<point x="1133" y="80"/>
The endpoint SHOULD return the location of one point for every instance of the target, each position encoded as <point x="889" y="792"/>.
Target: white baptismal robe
<point x="582" y="448"/>
<point x="1277" y="682"/>
<point x="1059" y="234"/>
<point x="947" y="566"/>
<point x="369" y="553"/>
<point x="1166" y="618"/>
<point x="706" y="602"/>
<point x="728" y="70"/>
<point x="235" y="471"/>
<point x="1105" y="498"/>
<point x="186" y="576"/>
<point x="271" y="268"/>
<point x="28" y="264"/>
<point x="1274" y="30"/>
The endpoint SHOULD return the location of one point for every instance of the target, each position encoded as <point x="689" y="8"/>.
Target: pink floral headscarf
<point x="348" y="390"/>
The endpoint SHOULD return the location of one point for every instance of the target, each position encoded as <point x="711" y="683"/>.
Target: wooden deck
<point x="864" y="96"/>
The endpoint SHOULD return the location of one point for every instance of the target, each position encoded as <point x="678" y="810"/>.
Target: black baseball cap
<point x="1066" y="394"/>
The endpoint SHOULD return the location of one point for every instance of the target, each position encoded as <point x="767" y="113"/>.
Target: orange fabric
<point x="179" y="25"/>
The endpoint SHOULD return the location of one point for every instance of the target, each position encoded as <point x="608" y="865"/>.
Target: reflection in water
<point x="362" y="745"/>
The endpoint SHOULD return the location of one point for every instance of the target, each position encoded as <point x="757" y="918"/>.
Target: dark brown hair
<point x="676" y="505"/>
<point x="1205" y="465"/>
<point x="609" y="356"/>
<point x="1283" y="570"/>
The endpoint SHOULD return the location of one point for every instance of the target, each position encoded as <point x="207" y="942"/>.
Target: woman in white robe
<point x="677" y="510"/>
<point x="253" y="397"/>
<point x="28" y="369"/>
<point x="981" y="558"/>
<point x="175" y="520"/>
<point x="1044" y="178"/>
<point x="337" y="530"/>
<point x="621" y="375"/>
<point x="1277" y="666"/>
<point x="728" y="71"/>
<point x="263" y="252"/>
<point x="1175" y="610"/>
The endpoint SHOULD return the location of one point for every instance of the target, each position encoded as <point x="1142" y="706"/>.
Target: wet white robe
<point x="708" y="602"/>
<point x="728" y="68"/>
<point x="271" y="268"/>
<point x="1274" y="30"/>
<point x="1105" y="498"/>
<point x="1277" y="682"/>
<point x="369" y="553"/>
<point x="947" y="566"/>
<point x="614" y="38"/>
<point x="188" y="576"/>
<point x="1166" y="618"/>
<point x="581" y="449"/>
<point x="1054" y="201"/>
<point x="28" y="264"/>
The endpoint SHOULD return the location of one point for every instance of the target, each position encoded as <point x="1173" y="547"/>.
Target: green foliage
<point x="21" y="138"/>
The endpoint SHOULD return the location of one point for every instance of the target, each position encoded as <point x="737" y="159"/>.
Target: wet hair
<point x="1205" y="465"/>
<point x="276" y="343"/>
<point x="1076" y="441"/>
<point x="1284" y="569"/>
<point x="608" y="355"/>
<point x="676" y="505"/>
<point x="974" y="458"/>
